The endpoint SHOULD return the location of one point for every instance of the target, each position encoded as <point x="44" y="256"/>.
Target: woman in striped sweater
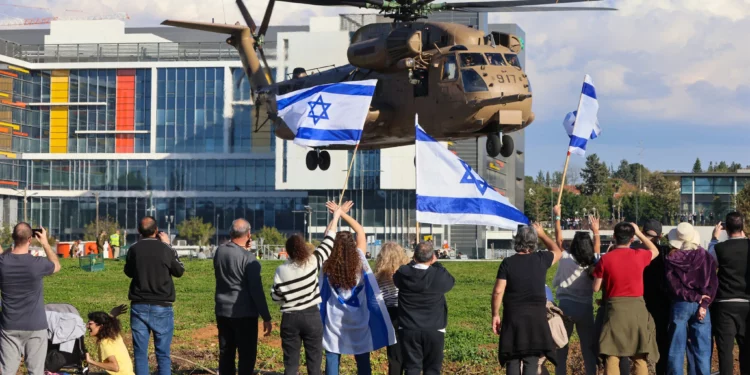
<point x="390" y="258"/>
<point x="295" y="288"/>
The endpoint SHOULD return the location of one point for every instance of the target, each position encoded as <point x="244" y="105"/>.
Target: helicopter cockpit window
<point x="513" y="60"/>
<point x="471" y="59"/>
<point x="495" y="59"/>
<point x="450" y="71"/>
<point x="473" y="82"/>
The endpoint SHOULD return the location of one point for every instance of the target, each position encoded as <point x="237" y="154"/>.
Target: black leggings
<point x="530" y="366"/>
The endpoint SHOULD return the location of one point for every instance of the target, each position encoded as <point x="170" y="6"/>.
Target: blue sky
<point x="672" y="74"/>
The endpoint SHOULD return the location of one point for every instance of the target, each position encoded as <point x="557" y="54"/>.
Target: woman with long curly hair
<point x="355" y="318"/>
<point x="295" y="288"/>
<point x="113" y="354"/>
<point x="390" y="258"/>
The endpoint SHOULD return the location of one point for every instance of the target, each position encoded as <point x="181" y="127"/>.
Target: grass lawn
<point x="470" y="345"/>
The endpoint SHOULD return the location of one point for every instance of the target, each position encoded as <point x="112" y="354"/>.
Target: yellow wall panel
<point x="59" y="88"/>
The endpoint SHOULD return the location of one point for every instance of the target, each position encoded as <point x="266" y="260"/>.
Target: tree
<point x="734" y="167"/>
<point x="719" y="208"/>
<point x="107" y="224"/>
<point x="624" y="172"/>
<point x="595" y="175"/>
<point x="547" y="180"/>
<point x="743" y="205"/>
<point x="195" y="231"/>
<point x="6" y="236"/>
<point x="710" y="167"/>
<point x="270" y="236"/>
<point x="540" y="178"/>
<point x="722" y="167"/>
<point x="665" y="195"/>
<point x="697" y="166"/>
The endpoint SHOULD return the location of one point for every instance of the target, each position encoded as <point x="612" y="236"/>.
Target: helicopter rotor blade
<point x="246" y="15"/>
<point x="266" y="18"/>
<point x="533" y="9"/>
<point x="506" y="4"/>
<point x="338" y="3"/>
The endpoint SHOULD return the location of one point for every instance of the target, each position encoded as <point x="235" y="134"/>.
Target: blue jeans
<point x="145" y="319"/>
<point x="582" y="317"/>
<point x="683" y="326"/>
<point x="363" y="363"/>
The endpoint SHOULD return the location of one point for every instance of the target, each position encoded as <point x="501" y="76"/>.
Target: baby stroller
<point x="66" y="351"/>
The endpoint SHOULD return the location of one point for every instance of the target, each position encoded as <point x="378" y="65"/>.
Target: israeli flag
<point x="570" y="121"/>
<point x="585" y="122"/>
<point x="355" y="321"/>
<point x="450" y="192"/>
<point x="331" y="114"/>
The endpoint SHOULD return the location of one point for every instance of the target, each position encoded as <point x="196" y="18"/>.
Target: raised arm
<point x="595" y="229"/>
<point x="558" y="227"/>
<point x="646" y="242"/>
<point x="361" y="237"/>
<point x="51" y="256"/>
<point x="551" y="245"/>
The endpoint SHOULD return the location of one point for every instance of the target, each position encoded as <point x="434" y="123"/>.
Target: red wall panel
<point x="125" y="112"/>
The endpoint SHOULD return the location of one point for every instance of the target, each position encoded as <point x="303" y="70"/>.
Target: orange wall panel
<point x="125" y="112"/>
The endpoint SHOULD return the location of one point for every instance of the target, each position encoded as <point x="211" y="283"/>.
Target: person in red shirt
<point x="628" y="329"/>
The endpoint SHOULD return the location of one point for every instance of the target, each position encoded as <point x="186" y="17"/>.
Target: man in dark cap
<point x="655" y="292"/>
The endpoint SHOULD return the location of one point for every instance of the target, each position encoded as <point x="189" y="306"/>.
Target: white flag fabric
<point x="331" y="114"/>
<point x="450" y="192"/>
<point x="570" y="121"/>
<point x="585" y="118"/>
<point x="355" y="321"/>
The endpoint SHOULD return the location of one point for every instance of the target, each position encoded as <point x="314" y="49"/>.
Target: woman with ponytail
<point x="113" y="354"/>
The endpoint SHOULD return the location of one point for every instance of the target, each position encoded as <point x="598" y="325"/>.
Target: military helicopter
<point x="462" y="83"/>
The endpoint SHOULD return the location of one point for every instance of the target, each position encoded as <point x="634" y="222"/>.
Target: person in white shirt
<point x="575" y="291"/>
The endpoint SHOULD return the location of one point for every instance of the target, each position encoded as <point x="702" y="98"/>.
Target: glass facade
<point x="24" y="128"/>
<point x="714" y="196"/>
<point x="66" y="217"/>
<point x="189" y="110"/>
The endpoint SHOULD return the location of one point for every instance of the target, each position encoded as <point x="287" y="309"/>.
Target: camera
<point x="34" y="231"/>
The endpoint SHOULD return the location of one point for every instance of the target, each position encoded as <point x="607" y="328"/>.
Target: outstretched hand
<point x="119" y="310"/>
<point x="538" y="228"/>
<point x="594" y="224"/>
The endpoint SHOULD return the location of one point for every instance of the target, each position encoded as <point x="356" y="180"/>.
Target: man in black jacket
<point x="152" y="263"/>
<point x="423" y="311"/>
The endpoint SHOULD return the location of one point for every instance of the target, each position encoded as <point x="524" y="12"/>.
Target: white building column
<point x="228" y="110"/>
<point x="154" y="95"/>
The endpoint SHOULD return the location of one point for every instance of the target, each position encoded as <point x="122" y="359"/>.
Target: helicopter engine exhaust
<point x="386" y="53"/>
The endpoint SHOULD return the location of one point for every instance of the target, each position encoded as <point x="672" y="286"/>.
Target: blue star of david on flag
<point x="470" y="178"/>
<point x="323" y="115"/>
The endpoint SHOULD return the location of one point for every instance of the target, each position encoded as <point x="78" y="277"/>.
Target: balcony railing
<point x="125" y="52"/>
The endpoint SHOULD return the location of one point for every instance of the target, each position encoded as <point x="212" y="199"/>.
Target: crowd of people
<point x="663" y="298"/>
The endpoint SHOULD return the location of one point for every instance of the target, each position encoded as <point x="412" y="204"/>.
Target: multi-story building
<point x="135" y="121"/>
<point x="97" y="118"/>
<point x="705" y="198"/>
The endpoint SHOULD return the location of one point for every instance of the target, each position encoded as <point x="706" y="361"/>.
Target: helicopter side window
<point x="495" y="59"/>
<point x="513" y="60"/>
<point x="472" y="81"/>
<point x="472" y="59"/>
<point x="450" y="71"/>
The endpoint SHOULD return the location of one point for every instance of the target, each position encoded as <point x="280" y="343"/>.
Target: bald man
<point x="152" y="263"/>
<point x="240" y="300"/>
<point x="23" y="320"/>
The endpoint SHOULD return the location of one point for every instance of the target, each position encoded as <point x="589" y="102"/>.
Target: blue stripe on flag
<point x="325" y="294"/>
<point x="478" y="206"/>
<point x="378" y="330"/>
<point x="334" y="88"/>
<point x="424" y="137"/>
<point x="329" y="134"/>
<point x="588" y="90"/>
<point x="578" y="142"/>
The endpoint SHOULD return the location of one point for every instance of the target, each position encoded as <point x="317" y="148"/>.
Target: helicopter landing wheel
<point x="493" y="144"/>
<point x="324" y="160"/>
<point x="311" y="160"/>
<point x="507" y="150"/>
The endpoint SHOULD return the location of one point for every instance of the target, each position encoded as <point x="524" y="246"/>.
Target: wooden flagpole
<point x="567" y="158"/>
<point x="348" y="171"/>
<point x="562" y="183"/>
<point x="416" y="122"/>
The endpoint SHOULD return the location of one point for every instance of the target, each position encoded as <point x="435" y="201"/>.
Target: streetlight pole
<point x="96" y="196"/>
<point x="169" y="219"/>
<point x="26" y="195"/>
<point x="217" y="230"/>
